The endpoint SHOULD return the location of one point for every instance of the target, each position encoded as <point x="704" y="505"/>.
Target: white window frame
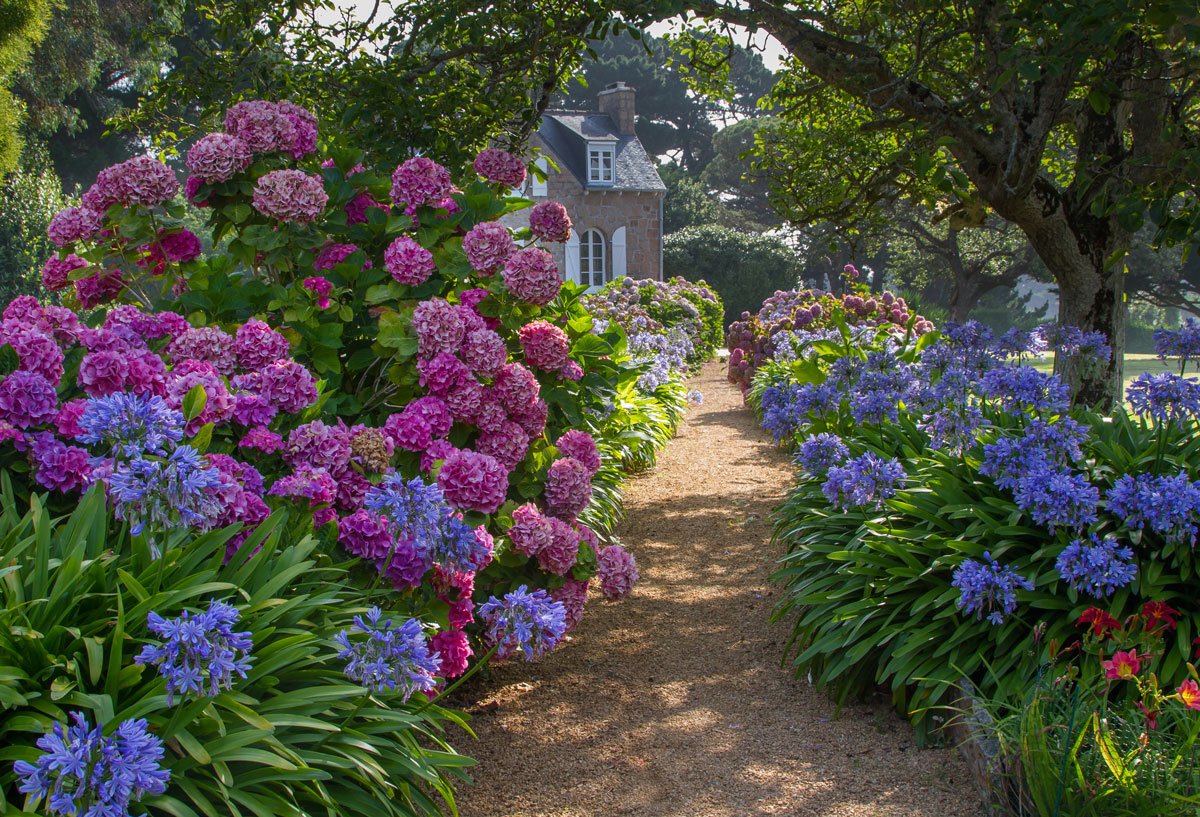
<point x="604" y="171"/>
<point x="593" y="252"/>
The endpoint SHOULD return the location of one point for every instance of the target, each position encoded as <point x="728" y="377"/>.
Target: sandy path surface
<point x="673" y="703"/>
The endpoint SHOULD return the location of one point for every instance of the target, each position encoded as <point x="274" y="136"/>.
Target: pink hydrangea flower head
<point x="208" y="343"/>
<point x="559" y="556"/>
<point x="500" y="167"/>
<point x="357" y="208"/>
<point x="530" y="531"/>
<point x="533" y="418"/>
<point x="37" y="352"/>
<point x="473" y="482"/>
<point x="484" y="352"/>
<point x="317" y="445"/>
<point x="66" y="422"/>
<point x="100" y="288"/>
<point x="257" y="345"/>
<point x="618" y="571"/>
<point x="487" y="545"/>
<point x="191" y="191"/>
<point x="573" y="596"/>
<point x="409" y="430"/>
<point x="262" y="126"/>
<point x="56" y="271"/>
<point x="352" y="491"/>
<point x="287" y="384"/>
<point x="531" y="275"/>
<point x="334" y="254"/>
<point x="407" y="566"/>
<point x="64" y="325"/>
<point x="472" y="298"/>
<point x="449" y="585"/>
<point x="420" y="181"/>
<point x="218" y="157"/>
<point x="313" y="484"/>
<point x="453" y="651"/>
<point x="252" y="410"/>
<point x="179" y="246"/>
<point x="546" y="346"/>
<point x="572" y="372"/>
<point x="443" y="373"/>
<point x="103" y="372"/>
<point x="290" y="195"/>
<point x="28" y="399"/>
<point x="304" y="126"/>
<point x="549" y="221"/>
<point x="60" y="467"/>
<point x="462" y="613"/>
<point x="320" y="287"/>
<point x="191" y="373"/>
<point x="439" y="327"/>
<point x="25" y="310"/>
<point x="73" y="224"/>
<point x="508" y="444"/>
<point x="408" y="262"/>
<point x="581" y="446"/>
<point x="466" y="400"/>
<point x="436" y="413"/>
<point x="261" y="439"/>
<point x="568" y="487"/>
<point x="491" y="415"/>
<point x="366" y="535"/>
<point x="516" y="387"/>
<point x="141" y="180"/>
<point x="487" y="246"/>
<point x="147" y="373"/>
<point x="438" y="451"/>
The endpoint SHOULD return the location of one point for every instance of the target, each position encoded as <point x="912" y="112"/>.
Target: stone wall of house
<point x="606" y="210"/>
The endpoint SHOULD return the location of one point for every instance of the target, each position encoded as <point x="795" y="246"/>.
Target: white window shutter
<point x="618" y="253"/>
<point x="539" y="185"/>
<point x="571" y="273"/>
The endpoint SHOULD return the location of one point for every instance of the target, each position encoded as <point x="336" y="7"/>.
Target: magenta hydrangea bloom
<point x="99" y="288"/>
<point x="210" y="344"/>
<point x="28" y="399"/>
<point x="461" y="613"/>
<point x="329" y="257"/>
<point x="66" y="422"/>
<point x="261" y="439"/>
<point x="320" y="287"/>
<point x="147" y="374"/>
<point x="103" y="372"/>
<point x="317" y="445"/>
<point x="313" y="484"/>
<point x="409" y="430"/>
<point x="500" y="167"/>
<point x="473" y="481"/>
<point x="572" y="596"/>
<point x="304" y="127"/>
<point x="581" y="446"/>
<point x="618" y="571"/>
<point x="443" y="373"/>
<point x="191" y="373"/>
<point x="508" y="444"/>
<point x="453" y="651"/>
<point x="73" y="224"/>
<point x="435" y="411"/>
<point x="546" y="346"/>
<point x="357" y="207"/>
<point x="262" y="126"/>
<point x="439" y="326"/>
<point x="287" y="384"/>
<point x="256" y="345"/>
<point x="516" y="387"/>
<point x="218" y="157"/>
<point x="487" y="246"/>
<point x="420" y="181"/>
<point x="56" y="271"/>
<point x="484" y="352"/>
<point x="191" y="191"/>
<point x="530" y="531"/>
<point x="60" y="467"/>
<point x="407" y="565"/>
<point x="531" y="275"/>
<point x="568" y="487"/>
<point x="549" y="221"/>
<point x="466" y="400"/>
<point x="438" y="451"/>
<point x="180" y="246"/>
<point x="290" y="195"/>
<point x="252" y="410"/>
<point x="408" y="262"/>
<point x="141" y="180"/>
<point x="36" y="351"/>
<point x="572" y="372"/>
<point x="366" y="535"/>
<point x="559" y="556"/>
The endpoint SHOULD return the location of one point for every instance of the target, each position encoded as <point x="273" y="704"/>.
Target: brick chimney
<point x="617" y="100"/>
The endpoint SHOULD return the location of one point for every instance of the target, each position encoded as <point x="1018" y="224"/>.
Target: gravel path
<point x="673" y="703"/>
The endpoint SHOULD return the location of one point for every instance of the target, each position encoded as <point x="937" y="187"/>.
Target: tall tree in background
<point x="22" y="26"/>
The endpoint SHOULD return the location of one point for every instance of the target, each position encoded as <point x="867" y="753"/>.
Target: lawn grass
<point x="1135" y="364"/>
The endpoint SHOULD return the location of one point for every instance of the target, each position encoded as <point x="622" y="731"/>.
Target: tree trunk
<point x="963" y="298"/>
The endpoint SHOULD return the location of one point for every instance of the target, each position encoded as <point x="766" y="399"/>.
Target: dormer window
<point x="600" y="164"/>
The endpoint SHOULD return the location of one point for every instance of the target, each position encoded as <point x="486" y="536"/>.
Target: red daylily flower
<point x="1122" y="666"/>
<point x="1189" y="694"/>
<point x="1099" y="622"/>
<point x="1151" y="715"/>
<point x="1159" y="616"/>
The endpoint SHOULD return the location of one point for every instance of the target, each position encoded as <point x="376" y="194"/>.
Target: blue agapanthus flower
<point x="1058" y="499"/>
<point x="966" y="346"/>
<point x="131" y="425"/>
<point x="1023" y="388"/>
<point x="166" y="493"/>
<point x="988" y="589"/>
<point x="1164" y="396"/>
<point x="953" y="427"/>
<point x="820" y="452"/>
<point x="82" y="773"/>
<point x="881" y="384"/>
<point x="1168" y="505"/>
<point x="419" y="514"/>
<point x="522" y="622"/>
<point x="790" y="407"/>
<point x="200" y="653"/>
<point x="1070" y="341"/>
<point x="1043" y="447"/>
<point x="388" y="659"/>
<point x="1017" y="343"/>
<point x="1182" y="344"/>
<point x="864" y="480"/>
<point x="1098" y="567"/>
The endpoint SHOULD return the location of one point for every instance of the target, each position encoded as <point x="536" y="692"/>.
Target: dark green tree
<point x="31" y="195"/>
<point x="22" y="26"/>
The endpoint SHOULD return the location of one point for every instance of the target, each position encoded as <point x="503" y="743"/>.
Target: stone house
<point x="609" y="186"/>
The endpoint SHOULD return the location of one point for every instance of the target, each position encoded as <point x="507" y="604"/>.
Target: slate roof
<point x="567" y="134"/>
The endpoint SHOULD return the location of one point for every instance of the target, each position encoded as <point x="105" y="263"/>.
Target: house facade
<point x="609" y="186"/>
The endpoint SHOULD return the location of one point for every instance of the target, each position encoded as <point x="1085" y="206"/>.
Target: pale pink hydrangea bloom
<point x="439" y="327"/>
<point x="443" y="373"/>
<point x="546" y="346"/>
<point x="573" y="596"/>
<point x="290" y="195"/>
<point x="549" y="221"/>
<point x="408" y="262"/>
<point x="287" y="384"/>
<point x="559" y="556"/>
<point x="141" y="180"/>
<point x="500" y="167"/>
<point x="218" y="157"/>
<point x="261" y="125"/>
<point x="56" y="271"/>
<point x="329" y="257"/>
<point x="484" y="352"/>
<point x="530" y="531"/>
<point x="99" y="288"/>
<point x="618" y="571"/>
<point x="508" y="444"/>
<point x="568" y="487"/>
<point x="257" y="345"/>
<point x="420" y="181"/>
<point x="532" y="276"/>
<point x="73" y="224"/>
<point x="487" y="246"/>
<point x="207" y="343"/>
<point x="581" y="446"/>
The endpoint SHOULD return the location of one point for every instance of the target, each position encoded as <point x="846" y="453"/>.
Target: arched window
<point x="593" y="271"/>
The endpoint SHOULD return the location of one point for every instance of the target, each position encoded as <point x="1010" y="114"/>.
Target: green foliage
<point x="295" y="737"/>
<point x="31" y="196"/>
<point x="22" y="26"/>
<point x="744" y="269"/>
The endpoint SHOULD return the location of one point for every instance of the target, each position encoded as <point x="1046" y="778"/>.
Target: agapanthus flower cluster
<point x="165" y="494"/>
<point x="82" y="772"/>
<point x="1167" y="505"/>
<point x="665" y="354"/>
<point x="1096" y="566"/>
<point x="389" y="658"/>
<point x="863" y="481"/>
<point x="788" y="408"/>
<point x="523" y="622"/>
<point x="1023" y="388"/>
<point x="200" y="652"/>
<point x="1037" y="467"/>
<point x="1164" y="397"/>
<point x="820" y="452"/>
<point x="130" y="425"/>
<point x="1182" y="344"/>
<point x="988" y="589"/>
<point x="876" y="387"/>
<point x="1090" y="347"/>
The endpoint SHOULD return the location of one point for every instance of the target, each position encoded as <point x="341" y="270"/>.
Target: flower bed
<point x="372" y="358"/>
<point x="955" y="517"/>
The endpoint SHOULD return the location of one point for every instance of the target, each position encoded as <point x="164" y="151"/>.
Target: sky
<point x="770" y="48"/>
